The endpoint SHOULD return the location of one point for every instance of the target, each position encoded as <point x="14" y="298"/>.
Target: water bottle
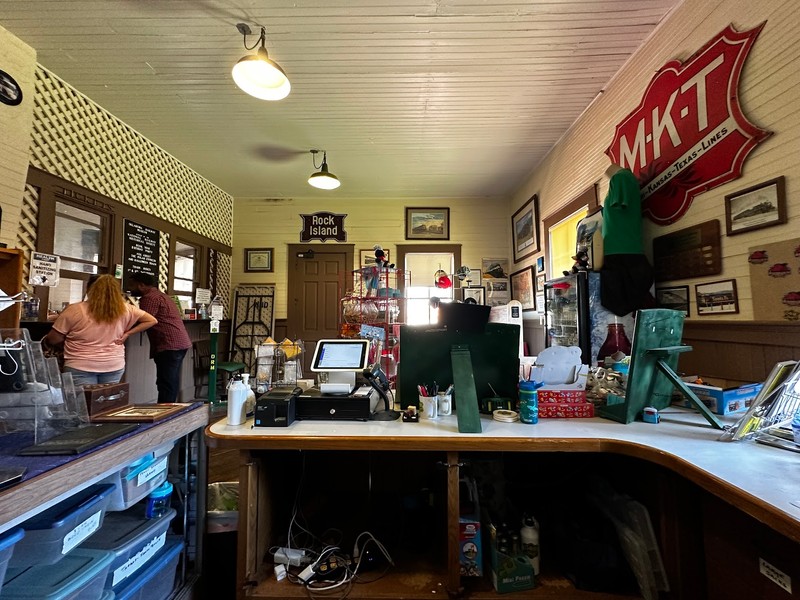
<point x="529" y="534"/>
<point x="250" y="401"/>
<point x="796" y="426"/>
<point x="529" y="402"/>
<point x="237" y="400"/>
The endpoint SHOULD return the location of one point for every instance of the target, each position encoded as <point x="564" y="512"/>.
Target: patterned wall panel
<point x="78" y="140"/>
<point x="26" y="231"/>
<point x="224" y="280"/>
<point x="163" y="261"/>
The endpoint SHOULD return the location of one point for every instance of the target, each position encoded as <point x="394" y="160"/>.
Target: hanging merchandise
<point x="441" y="280"/>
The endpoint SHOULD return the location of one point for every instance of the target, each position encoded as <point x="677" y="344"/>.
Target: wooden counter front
<point x="760" y="481"/>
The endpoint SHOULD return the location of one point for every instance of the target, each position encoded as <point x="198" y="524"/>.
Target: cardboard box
<point x="469" y="547"/>
<point x="547" y="396"/>
<point x="720" y="400"/>
<point x="510" y="573"/>
<point x="562" y="410"/>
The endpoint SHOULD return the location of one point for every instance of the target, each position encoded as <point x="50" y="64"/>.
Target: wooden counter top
<point x="762" y="481"/>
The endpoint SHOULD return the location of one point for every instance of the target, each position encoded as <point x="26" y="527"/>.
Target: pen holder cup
<point x="445" y="404"/>
<point x="429" y="407"/>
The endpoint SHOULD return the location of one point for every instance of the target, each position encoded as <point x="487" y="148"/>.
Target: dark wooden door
<point x="315" y="285"/>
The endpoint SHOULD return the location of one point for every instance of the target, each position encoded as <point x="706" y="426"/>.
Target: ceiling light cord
<point x="261" y="38"/>
<point x="321" y="178"/>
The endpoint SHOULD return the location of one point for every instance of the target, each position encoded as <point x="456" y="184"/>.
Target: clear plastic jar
<point x="158" y="502"/>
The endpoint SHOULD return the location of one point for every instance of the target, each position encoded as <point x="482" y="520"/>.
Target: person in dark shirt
<point x="169" y="340"/>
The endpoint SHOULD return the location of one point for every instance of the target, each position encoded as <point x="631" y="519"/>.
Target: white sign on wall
<point x="44" y="269"/>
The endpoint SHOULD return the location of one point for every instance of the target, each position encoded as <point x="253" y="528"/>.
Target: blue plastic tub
<point x="7" y="542"/>
<point x="133" y="539"/>
<point x="78" y="576"/>
<point x="55" y="531"/>
<point x="156" y="580"/>
<point x="138" y="479"/>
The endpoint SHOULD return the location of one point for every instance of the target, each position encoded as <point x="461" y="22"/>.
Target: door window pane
<point x="422" y="268"/>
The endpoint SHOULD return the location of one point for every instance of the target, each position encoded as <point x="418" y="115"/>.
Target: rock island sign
<point x="689" y="134"/>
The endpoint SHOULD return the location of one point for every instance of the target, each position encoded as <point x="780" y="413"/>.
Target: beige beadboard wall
<point x="482" y="227"/>
<point x="19" y="61"/>
<point x="769" y="94"/>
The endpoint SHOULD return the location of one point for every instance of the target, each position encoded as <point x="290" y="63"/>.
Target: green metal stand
<point x="212" y="369"/>
<point x="682" y="387"/>
<point x="469" y="420"/>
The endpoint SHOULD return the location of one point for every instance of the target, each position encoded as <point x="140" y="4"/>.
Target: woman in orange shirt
<point x="94" y="331"/>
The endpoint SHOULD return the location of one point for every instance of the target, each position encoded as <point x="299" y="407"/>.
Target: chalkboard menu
<point x="140" y="251"/>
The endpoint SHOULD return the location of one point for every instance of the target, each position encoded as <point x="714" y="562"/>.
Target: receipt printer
<point x="277" y="407"/>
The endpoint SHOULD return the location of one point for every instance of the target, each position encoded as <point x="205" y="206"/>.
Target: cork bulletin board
<point x="775" y="281"/>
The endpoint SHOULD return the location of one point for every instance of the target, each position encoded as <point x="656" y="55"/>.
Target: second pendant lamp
<point x="323" y="179"/>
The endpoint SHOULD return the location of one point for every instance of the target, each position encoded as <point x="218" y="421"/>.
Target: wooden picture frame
<point x="540" y="264"/>
<point x="756" y="207"/>
<point x="367" y="257"/>
<point x="540" y="279"/>
<point x="424" y="223"/>
<point x="522" y="288"/>
<point x="674" y="297"/>
<point x="140" y="413"/>
<point x="258" y="260"/>
<point x="717" y="298"/>
<point x="477" y="293"/>
<point x="525" y="229"/>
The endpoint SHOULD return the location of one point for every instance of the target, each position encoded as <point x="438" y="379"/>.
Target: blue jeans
<point x="89" y="378"/>
<point x="168" y="374"/>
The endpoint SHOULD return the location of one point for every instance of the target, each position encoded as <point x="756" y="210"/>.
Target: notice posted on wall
<point x="44" y="269"/>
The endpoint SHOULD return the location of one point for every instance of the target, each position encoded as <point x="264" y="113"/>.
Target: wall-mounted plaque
<point x="691" y="252"/>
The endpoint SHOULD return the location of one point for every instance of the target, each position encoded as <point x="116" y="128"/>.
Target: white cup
<point x="445" y="402"/>
<point x="430" y="407"/>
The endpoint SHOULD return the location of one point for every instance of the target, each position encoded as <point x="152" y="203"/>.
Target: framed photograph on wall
<point x="494" y="268"/>
<point x="424" y="223"/>
<point x="717" y="297"/>
<point x="258" y="260"/>
<point x="525" y="229"/>
<point x="367" y="257"/>
<point x="540" y="264"/>
<point x="522" y="288"/>
<point x="676" y="298"/>
<point x="540" y="279"/>
<point x="762" y="205"/>
<point x="473" y="295"/>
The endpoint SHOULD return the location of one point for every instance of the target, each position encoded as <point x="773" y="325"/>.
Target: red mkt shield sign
<point x="689" y="134"/>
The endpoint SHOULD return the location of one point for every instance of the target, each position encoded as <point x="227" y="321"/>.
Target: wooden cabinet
<point x="10" y="283"/>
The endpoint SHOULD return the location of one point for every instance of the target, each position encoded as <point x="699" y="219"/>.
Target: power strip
<point x="290" y="556"/>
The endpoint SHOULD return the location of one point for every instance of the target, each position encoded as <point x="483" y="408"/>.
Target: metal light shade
<point x="261" y="77"/>
<point x="324" y="180"/>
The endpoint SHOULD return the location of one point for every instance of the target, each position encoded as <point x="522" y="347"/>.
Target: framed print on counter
<point x="525" y="229"/>
<point x="522" y="288"/>
<point x="424" y="223"/>
<point x="140" y="413"/>
<point x="258" y="260"/>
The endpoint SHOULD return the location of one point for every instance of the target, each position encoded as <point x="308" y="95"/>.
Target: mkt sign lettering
<point x="689" y="134"/>
<point x="323" y="226"/>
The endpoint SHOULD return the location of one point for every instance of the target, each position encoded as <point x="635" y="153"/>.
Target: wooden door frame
<point x="291" y="284"/>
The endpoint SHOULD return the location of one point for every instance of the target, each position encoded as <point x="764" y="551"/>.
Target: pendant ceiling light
<point x="323" y="179"/>
<point x="257" y="74"/>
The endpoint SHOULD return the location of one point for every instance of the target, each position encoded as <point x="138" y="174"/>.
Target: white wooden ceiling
<point x="417" y="99"/>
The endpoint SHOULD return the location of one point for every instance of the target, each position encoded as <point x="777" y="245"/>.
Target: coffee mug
<point x="430" y="407"/>
<point x="445" y="404"/>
